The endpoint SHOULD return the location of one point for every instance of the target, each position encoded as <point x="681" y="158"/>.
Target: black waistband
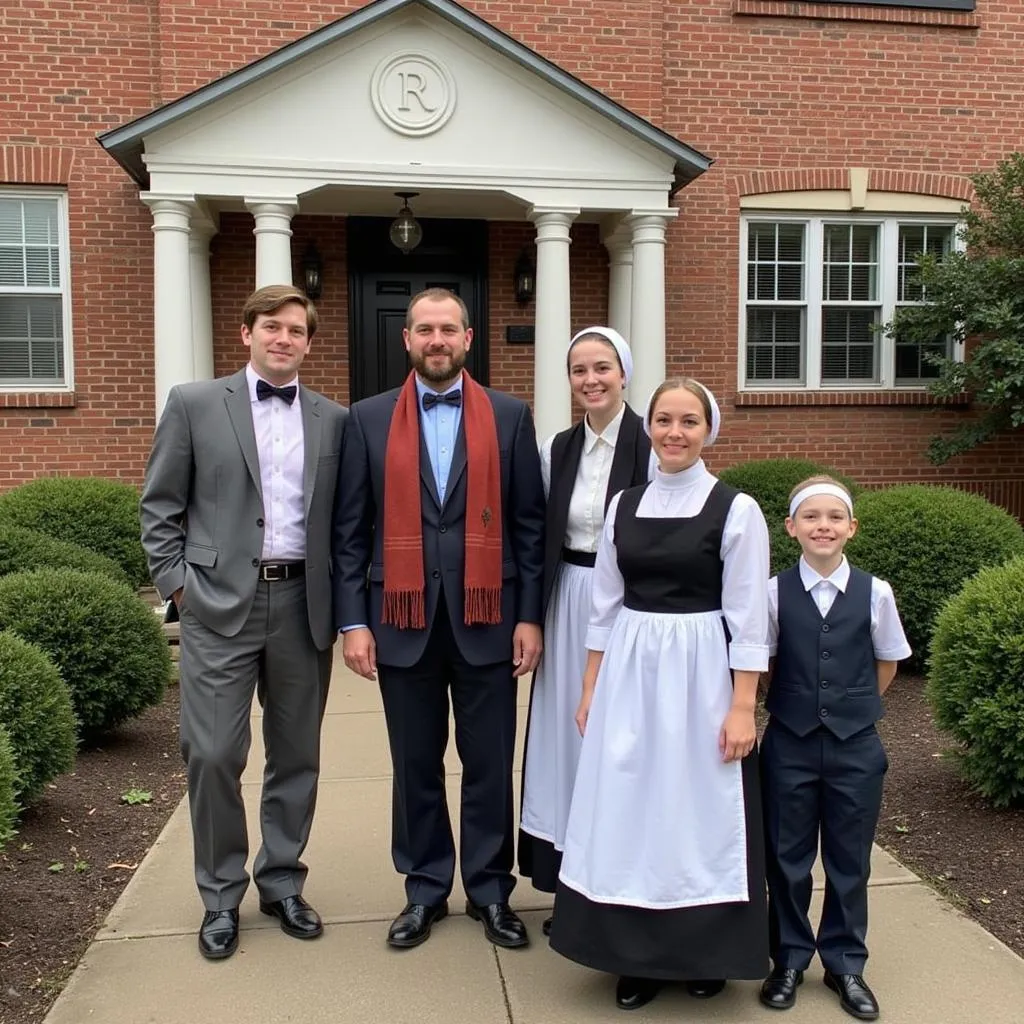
<point x="584" y="558"/>
<point x="275" y="572"/>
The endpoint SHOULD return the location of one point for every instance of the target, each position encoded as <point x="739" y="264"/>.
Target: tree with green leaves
<point x="976" y="296"/>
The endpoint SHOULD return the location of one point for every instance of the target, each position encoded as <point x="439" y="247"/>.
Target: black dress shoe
<point x="632" y="993"/>
<point x="705" y="989"/>
<point x="546" y="926"/>
<point x="854" y="995"/>
<point x="218" y="934"/>
<point x="298" y="919"/>
<point x="778" y="990"/>
<point x="501" y="925"/>
<point x="412" y="926"/>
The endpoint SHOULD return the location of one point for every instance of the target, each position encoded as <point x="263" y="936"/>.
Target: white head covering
<point x="813" y="490"/>
<point x="617" y="341"/>
<point x="716" y="415"/>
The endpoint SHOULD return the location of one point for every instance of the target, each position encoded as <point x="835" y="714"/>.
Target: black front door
<point x="382" y="280"/>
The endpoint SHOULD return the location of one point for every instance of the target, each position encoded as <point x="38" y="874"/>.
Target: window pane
<point x="849" y="351"/>
<point x="850" y="263"/>
<point x="29" y="243"/>
<point x="775" y="261"/>
<point x="915" y="239"/>
<point x="912" y="363"/>
<point x="775" y="344"/>
<point x="31" y="339"/>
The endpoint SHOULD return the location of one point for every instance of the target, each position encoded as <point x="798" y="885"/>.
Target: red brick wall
<point x="760" y="85"/>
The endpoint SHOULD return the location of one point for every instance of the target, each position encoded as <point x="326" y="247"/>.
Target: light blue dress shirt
<point x="440" y="426"/>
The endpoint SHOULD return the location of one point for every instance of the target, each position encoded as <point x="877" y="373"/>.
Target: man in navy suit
<point x="444" y="596"/>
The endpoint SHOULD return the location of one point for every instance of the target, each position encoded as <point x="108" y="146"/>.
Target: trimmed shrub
<point x="976" y="680"/>
<point x="926" y="541"/>
<point x="36" y="711"/>
<point x="8" y="784"/>
<point x="106" y="642"/>
<point x="22" y="550"/>
<point x="101" y="515"/>
<point x="768" y="482"/>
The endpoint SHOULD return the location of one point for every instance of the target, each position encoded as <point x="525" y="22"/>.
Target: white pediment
<point x="409" y="99"/>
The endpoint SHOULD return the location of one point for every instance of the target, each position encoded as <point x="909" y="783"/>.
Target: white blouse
<point x="744" y="554"/>
<point x="586" y="506"/>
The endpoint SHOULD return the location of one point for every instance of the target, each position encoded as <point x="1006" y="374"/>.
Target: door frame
<point x="448" y="246"/>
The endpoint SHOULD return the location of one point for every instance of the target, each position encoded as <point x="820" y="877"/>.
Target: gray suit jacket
<point x="202" y="504"/>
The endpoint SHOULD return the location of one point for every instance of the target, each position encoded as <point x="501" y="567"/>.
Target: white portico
<point x="417" y="95"/>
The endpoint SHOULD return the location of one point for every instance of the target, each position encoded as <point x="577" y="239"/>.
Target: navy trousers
<point x="416" y="709"/>
<point x="820" y="786"/>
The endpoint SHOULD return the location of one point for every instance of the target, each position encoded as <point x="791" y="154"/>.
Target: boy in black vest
<point x="836" y="637"/>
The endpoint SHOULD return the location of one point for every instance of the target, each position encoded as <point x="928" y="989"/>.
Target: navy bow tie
<point x="431" y="398"/>
<point x="265" y="390"/>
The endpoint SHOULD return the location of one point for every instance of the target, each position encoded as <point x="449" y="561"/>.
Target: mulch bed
<point x="48" y="916"/>
<point x="940" y="829"/>
<point x="930" y="821"/>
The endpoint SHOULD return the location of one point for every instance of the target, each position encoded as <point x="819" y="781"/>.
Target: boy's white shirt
<point x="887" y="636"/>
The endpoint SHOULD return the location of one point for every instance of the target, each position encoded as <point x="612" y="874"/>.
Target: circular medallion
<point x="412" y="93"/>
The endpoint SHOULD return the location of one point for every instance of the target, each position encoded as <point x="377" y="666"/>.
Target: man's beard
<point x="456" y="361"/>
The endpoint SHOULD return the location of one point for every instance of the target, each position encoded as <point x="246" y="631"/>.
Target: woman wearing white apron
<point x="662" y="876"/>
<point x="583" y="467"/>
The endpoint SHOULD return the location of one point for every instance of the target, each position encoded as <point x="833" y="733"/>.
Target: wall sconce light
<point x="525" y="278"/>
<point x="312" y="272"/>
<point x="405" y="233"/>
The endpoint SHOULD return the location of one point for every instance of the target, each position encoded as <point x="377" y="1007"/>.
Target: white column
<point x="172" y="302"/>
<point x="273" y="233"/>
<point x="203" y="228"/>
<point x="647" y="305"/>
<point x="620" y="281"/>
<point x="551" y="399"/>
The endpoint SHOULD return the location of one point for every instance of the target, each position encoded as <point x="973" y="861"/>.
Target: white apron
<point x="657" y="818"/>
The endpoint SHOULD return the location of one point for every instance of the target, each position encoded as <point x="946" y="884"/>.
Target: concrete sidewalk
<point x="930" y="965"/>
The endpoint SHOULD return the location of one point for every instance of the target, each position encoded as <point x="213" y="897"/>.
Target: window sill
<point x="767" y="399"/>
<point x="37" y="400"/>
<point x="840" y="12"/>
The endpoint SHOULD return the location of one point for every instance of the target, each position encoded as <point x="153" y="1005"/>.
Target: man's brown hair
<point x="271" y="297"/>
<point x="436" y="295"/>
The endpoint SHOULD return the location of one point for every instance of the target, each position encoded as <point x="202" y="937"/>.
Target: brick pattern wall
<point x="775" y="91"/>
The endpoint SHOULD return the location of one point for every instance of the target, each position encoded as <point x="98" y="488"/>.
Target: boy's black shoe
<point x="779" y="989"/>
<point x="854" y="995"/>
<point x="632" y="993"/>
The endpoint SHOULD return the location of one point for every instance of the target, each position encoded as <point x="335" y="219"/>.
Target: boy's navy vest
<point x="825" y="667"/>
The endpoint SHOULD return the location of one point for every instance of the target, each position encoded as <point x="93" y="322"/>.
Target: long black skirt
<point x="717" y="941"/>
<point x="539" y="861"/>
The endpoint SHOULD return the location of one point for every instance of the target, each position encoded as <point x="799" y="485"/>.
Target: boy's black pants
<point x="819" y="784"/>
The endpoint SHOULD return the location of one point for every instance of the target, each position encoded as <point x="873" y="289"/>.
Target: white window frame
<point x="812" y="302"/>
<point x="64" y="256"/>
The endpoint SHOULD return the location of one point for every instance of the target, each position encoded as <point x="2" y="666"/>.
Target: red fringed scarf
<point x="404" y="591"/>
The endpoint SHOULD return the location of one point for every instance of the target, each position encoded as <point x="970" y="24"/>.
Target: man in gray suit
<point x="237" y="510"/>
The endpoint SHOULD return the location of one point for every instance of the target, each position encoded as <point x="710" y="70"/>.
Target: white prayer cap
<point x="616" y="340"/>
<point x="716" y="413"/>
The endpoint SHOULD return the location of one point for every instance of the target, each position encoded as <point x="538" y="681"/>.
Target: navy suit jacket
<point x="359" y="526"/>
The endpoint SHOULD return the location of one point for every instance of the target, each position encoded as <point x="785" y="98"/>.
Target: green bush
<point x="8" y="787"/>
<point x="976" y="680"/>
<point x="22" y="549"/>
<point x="107" y="643"/>
<point x="768" y="482"/>
<point x="102" y="515"/>
<point x="35" y="709"/>
<point x="926" y="541"/>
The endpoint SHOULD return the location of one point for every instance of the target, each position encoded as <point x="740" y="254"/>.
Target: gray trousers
<point x="274" y="657"/>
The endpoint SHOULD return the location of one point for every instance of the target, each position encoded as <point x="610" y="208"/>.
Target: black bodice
<point x="672" y="565"/>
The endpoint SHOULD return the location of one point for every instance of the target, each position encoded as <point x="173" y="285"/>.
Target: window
<point x="34" y="313"/>
<point x="816" y="290"/>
